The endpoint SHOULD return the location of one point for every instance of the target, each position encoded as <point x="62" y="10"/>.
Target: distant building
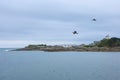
<point x="66" y="45"/>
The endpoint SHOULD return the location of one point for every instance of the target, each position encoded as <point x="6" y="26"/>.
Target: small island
<point x="104" y="45"/>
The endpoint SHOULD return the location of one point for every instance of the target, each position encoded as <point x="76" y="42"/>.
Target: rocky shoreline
<point x="79" y="49"/>
<point x="104" y="45"/>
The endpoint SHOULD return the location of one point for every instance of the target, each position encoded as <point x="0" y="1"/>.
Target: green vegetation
<point x="106" y="42"/>
<point x="36" y="46"/>
<point x="112" y="42"/>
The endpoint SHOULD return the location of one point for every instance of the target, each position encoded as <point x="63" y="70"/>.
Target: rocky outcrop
<point x="79" y="49"/>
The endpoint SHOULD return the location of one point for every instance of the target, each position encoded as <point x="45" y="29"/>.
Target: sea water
<point x="38" y="65"/>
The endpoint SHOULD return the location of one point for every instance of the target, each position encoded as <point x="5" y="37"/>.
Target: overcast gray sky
<point x="24" y="22"/>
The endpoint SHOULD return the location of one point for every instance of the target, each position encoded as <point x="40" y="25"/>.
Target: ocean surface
<point x="38" y="65"/>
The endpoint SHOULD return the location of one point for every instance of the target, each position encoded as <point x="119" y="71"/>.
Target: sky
<point x="24" y="22"/>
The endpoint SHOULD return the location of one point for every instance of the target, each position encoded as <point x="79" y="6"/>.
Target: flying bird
<point x="75" y="32"/>
<point x="94" y="19"/>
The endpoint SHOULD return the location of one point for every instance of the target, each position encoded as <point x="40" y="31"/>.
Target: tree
<point x="112" y="42"/>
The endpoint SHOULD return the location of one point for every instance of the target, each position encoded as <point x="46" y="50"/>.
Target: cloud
<point x="55" y="20"/>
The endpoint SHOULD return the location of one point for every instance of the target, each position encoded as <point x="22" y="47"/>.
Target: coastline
<point x="81" y="49"/>
<point x="104" y="45"/>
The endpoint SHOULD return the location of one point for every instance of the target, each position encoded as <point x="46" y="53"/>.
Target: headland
<point x="104" y="45"/>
